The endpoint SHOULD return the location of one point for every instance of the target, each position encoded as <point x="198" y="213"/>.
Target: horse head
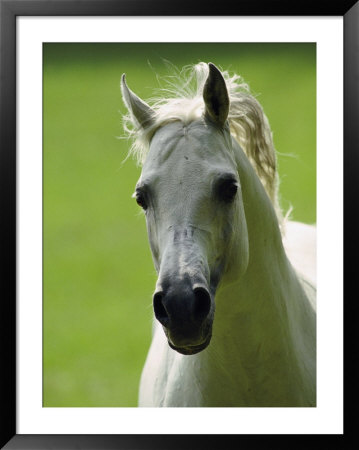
<point x="191" y="193"/>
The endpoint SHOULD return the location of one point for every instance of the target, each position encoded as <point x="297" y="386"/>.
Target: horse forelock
<point x="184" y="102"/>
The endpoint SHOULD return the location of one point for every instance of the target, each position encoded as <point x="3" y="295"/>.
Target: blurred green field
<point x="98" y="272"/>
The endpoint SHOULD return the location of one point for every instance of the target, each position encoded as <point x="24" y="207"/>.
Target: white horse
<point x="234" y="302"/>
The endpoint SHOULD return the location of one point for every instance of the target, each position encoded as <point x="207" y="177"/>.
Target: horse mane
<point x="184" y="102"/>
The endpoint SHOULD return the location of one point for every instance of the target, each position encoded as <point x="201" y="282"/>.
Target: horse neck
<point x="265" y="317"/>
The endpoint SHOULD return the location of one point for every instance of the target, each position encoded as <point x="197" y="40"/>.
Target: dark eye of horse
<point x="141" y="201"/>
<point x="227" y="190"/>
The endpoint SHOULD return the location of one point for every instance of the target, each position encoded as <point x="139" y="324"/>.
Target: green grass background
<point x="98" y="272"/>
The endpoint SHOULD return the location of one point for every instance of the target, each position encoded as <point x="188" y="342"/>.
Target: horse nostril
<point x="160" y="311"/>
<point x="202" y="304"/>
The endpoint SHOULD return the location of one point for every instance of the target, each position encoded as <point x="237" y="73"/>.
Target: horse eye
<point x="141" y="201"/>
<point x="228" y="190"/>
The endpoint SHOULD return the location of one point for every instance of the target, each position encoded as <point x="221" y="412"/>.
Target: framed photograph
<point x="90" y="90"/>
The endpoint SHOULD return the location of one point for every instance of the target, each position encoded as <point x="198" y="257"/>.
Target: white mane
<point x="184" y="102"/>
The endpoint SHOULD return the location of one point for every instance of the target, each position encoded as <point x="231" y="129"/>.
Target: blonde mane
<point x="184" y="102"/>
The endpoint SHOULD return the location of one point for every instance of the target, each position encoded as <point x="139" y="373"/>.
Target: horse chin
<point x="191" y="349"/>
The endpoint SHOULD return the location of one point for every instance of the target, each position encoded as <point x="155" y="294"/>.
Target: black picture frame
<point x="9" y="10"/>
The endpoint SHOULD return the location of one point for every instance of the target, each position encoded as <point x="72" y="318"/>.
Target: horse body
<point x="238" y="322"/>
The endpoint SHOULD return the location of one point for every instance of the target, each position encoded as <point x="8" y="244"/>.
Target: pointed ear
<point x="215" y="96"/>
<point x="143" y="113"/>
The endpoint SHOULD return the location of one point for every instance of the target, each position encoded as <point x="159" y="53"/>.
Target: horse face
<point x="191" y="194"/>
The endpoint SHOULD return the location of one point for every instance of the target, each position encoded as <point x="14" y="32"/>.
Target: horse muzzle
<point x="186" y="313"/>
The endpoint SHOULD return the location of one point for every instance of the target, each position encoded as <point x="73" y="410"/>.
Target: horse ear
<point x="215" y="96"/>
<point x="139" y="109"/>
